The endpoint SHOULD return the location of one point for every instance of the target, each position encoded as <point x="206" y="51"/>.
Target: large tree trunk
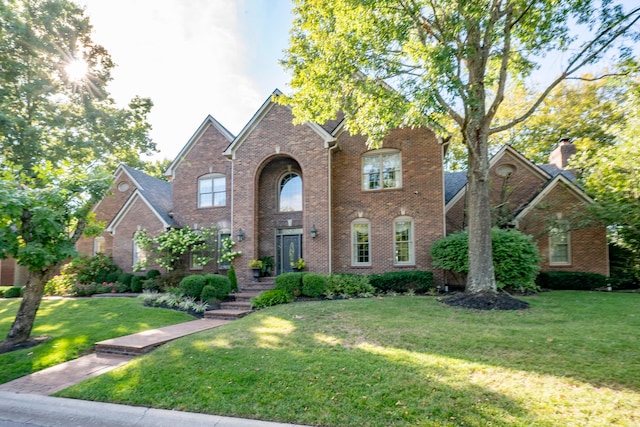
<point x="23" y="323"/>
<point x="481" y="276"/>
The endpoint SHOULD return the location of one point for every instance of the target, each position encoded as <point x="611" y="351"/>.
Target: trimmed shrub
<point x="209" y="294"/>
<point x="270" y="298"/>
<point x="402" y="281"/>
<point x="136" y="284"/>
<point x="515" y="257"/>
<point x="125" y="279"/>
<point x="13" y="292"/>
<point x="348" y="285"/>
<point x="153" y="274"/>
<point x="170" y="280"/>
<point x="112" y="277"/>
<point x="291" y="283"/>
<point x="1" y="293"/>
<point x="220" y="284"/>
<point x="233" y="279"/>
<point x="192" y="285"/>
<point x="568" y="280"/>
<point x="313" y="285"/>
<point x="86" y="290"/>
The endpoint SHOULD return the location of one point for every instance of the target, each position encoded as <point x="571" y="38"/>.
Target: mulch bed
<point x="484" y="301"/>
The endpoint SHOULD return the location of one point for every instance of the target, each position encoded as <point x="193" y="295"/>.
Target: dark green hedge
<point x="402" y="281"/>
<point x="291" y="283"/>
<point x="568" y="280"/>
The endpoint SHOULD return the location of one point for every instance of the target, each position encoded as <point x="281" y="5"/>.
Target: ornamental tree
<point x="60" y="133"/>
<point x="399" y="63"/>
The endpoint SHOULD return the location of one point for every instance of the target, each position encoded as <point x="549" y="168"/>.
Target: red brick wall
<point x="204" y="157"/>
<point x="421" y="197"/>
<point x="588" y="246"/>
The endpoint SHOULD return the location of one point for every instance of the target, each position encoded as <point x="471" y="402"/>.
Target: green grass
<point x="74" y="327"/>
<point x="572" y="359"/>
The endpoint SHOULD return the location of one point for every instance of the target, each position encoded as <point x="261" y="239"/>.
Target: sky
<point x="193" y="58"/>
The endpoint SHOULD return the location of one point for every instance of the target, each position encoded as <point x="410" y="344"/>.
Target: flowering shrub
<point x="86" y="290"/>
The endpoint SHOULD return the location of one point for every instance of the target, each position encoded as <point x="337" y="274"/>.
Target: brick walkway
<point x="118" y="351"/>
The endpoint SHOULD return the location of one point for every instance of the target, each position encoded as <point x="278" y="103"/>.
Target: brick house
<point x="316" y="192"/>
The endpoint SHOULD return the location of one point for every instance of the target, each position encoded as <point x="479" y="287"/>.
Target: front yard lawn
<point x="571" y="359"/>
<point x="74" y="326"/>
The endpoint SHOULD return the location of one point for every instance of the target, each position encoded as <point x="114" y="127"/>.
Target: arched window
<point x="212" y="191"/>
<point x="361" y="242"/>
<point x="290" y="197"/>
<point x="99" y="245"/>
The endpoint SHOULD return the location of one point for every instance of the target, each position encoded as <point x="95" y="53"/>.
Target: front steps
<point x="241" y="305"/>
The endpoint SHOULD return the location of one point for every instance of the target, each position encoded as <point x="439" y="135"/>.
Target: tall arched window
<point x="290" y="196"/>
<point x="403" y="241"/>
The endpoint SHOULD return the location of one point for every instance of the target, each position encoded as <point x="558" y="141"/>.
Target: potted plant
<point x="298" y="265"/>
<point x="256" y="266"/>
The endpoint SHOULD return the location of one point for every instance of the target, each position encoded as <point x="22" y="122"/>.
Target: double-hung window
<point x="403" y="241"/>
<point x="212" y="191"/>
<point x="559" y="243"/>
<point x="381" y="169"/>
<point x="361" y="242"/>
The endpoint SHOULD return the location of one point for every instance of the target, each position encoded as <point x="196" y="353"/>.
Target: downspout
<point x="330" y="204"/>
<point x="232" y="198"/>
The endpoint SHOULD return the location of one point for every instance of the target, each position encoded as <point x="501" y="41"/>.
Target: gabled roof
<point x="257" y="118"/>
<point x="455" y="186"/>
<point x="156" y="194"/>
<point x="553" y="183"/>
<point x="208" y="121"/>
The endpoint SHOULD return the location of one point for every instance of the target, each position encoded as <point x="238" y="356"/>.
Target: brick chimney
<point x="561" y="154"/>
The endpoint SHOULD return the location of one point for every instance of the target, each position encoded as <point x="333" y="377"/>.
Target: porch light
<point x="240" y="235"/>
<point x="314" y="232"/>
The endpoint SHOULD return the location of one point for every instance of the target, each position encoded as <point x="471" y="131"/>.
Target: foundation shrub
<point x="402" y="281"/>
<point x="348" y="285"/>
<point x="136" y="284"/>
<point x="125" y="279"/>
<point x="13" y="292"/>
<point x="291" y="283"/>
<point x="271" y="298"/>
<point x="193" y="285"/>
<point x="220" y="284"/>
<point x="568" y="280"/>
<point x="314" y="285"/>
<point x="233" y="278"/>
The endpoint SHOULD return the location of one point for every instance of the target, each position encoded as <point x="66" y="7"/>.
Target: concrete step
<point x="224" y="314"/>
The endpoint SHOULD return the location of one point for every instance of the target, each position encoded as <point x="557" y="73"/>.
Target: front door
<point x="289" y="249"/>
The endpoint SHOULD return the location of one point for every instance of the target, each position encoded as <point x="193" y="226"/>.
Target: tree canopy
<point x="399" y="63"/>
<point x="60" y="137"/>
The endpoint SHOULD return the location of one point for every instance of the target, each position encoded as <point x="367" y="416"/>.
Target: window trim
<point x="138" y="255"/>
<point x="379" y="154"/>
<point x="99" y="241"/>
<point x="212" y="177"/>
<point x="355" y="243"/>
<point x="564" y="229"/>
<point x="411" y="241"/>
<point x="280" y="182"/>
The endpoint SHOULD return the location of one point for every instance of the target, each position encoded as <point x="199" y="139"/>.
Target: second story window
<point x="290" y="199"/>
<point x="212" y="191"/>
<point x="381" y="169"/>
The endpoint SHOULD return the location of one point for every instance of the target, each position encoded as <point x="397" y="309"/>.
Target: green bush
<point x="192" y="285"/>
<point x="136" y="284"/>
<point x="291" y="283"/>
<point x="152" y="274"/>
<point x="270" y="298"/>
<point x="86" y="290"/>
<point x="347" y="285"/>
<point x="112" y="277"/>
<point x="84" y="270"/>
<point x="313" y="285"/>
<point x="1" y="293"/>
<point x="209" y="294"/>
<point x="171" y="279"/>
<point x="568" y="280"/>
<point x="233" y="279"/>
<point x="515" y="257"/>
<point x="14" y="292"/>
<point x="402" y="281"/>
<point x="59" y="285"/>
<point x="220" y="284"/>
<point x="125" y="279"/>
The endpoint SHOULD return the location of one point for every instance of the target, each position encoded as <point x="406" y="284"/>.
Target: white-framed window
<point x="403" y="241"/>
<point x="560" y="243"/>
<point x="290" y="193"/>
<point x="212" y="191"/>
<point x="99" y="245"/>
<point x="381" y="169"/>
<point x="224" y="234"/>
<point x="361" y="242"/>
<point x="139" y="255"/>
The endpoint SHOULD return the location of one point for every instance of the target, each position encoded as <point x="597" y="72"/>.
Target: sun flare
<point x="77" y="70"/>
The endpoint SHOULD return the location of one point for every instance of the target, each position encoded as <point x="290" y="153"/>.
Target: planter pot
<point x="256" y="274"/>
